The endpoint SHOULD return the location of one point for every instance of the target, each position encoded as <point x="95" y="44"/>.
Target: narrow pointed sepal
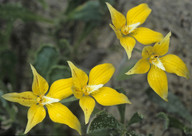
<point x="128" y="44"/>
<point x="79" y="79"/>
<point x="40" y="85"/>
<point x="107" y="96"/>
<point x="87" y="105"/>
<point x="157" y="80"/>
<point x="24" y="98"/>
<point x="101" y="74"/>
<point x="36" y="114"/>
<point x="138" y="14"/>
<point x="117" y="32"/>
<point x="61" y="89"/>
<point x="162" y="47"/>
<point x="61" y="114"/>
<point x="147" y="52"/>
<point x="173" y="64"/>
<point x="146" y="36"/>
<point x="118" y="19"/>
<point x="141" y="67"/>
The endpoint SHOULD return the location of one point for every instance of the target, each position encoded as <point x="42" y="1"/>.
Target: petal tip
<point x="108" y="5"/>
<point x="111" y="67"/>
<point x="86" y="121"/>
<point x="27" y="129"/>
<point x="129" y="53"/>
<point x="167" y="37"/>
<point x="129" y="72"/>
<point x="165" y="99"/>
<point x="32" y="67"/>
<point x="187" y="75"/>
<point x="146" y="5"/>
<point x="79" y="130"/>
<point x="169" y="34"/>
<point x="164" y="96"/>
<point x="3" y="96"/>
<point x="26" y="132"/>
<point x="128" y="101"/>
<point x="7" y="96"/>
<point x="129" y="56"/>
<point x="125" y="99"/>
<point x="69" y="62"/>
<point x="71" y="65"/>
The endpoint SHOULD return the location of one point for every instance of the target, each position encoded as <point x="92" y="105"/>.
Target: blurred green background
<point x="47" y="33"/>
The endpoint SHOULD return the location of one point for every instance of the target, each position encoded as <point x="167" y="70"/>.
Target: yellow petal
<point x="147" y="51"/>
<point x="61" y="89"/>
<point x="25" y="98"/>
<point x="138" y="14"/>
<point x="118" y="19"/>
<point x="107" y="96"/>
<point x="141" y="67"/>
<point x="117" y="32"/>
<point x="158" y="81"/>
<point x="40" y="85"/>
<point x="146" y="36"/>
<point x="36" y="114"/>
<point x="128" y="44"/>
<point x="61" y="114"/>
<point x="101" y="74"/>
<point x="79" y="78"/>
<point x="87" y="105"/>
<point x="162" y="47"/>
<point x="173" y="64"/>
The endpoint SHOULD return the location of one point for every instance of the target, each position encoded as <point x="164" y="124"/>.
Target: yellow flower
<point x="127" y="30"/>
<point x="87" y="89"/>
<point x="37" y="99"/>
<point x="151" y="59"/>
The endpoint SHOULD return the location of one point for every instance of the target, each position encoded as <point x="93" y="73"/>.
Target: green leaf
<point x="12" y="12"/>
<point x="43" y="3"/>
<point x="173" y="122"/>
<point x="133" y="133"/>
<point x="103" y="123"/>
<point x="72" y="4"/>
<point x="5" y="35"/>
<point x="89" y="26"/>
<point x="58" y="72"/>
<point x="65" y="48"/>
<point x="166" y="119"/>
<point x="3" y="101"/>
<point x="88" y="11"/>
<point x="7" y="66"/>
<point x="46" y="57"/>
<point x="136" y="118"/>
<point x="173" y="106"/>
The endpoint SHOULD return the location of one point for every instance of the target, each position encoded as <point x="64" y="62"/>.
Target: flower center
<point x="91" y="88"/>
<point x="42" y="100"/>
<point x="125" y="30"/>
<point x="154" y="59"/>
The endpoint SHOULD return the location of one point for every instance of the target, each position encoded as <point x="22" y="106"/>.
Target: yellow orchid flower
<point x="156" y="65"/>
<point x="37" y="99"/>
<point x="87" y="89"/>
<point x="127" y="30"/>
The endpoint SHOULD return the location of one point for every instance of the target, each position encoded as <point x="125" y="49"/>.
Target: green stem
<point x="70" y="99"/>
